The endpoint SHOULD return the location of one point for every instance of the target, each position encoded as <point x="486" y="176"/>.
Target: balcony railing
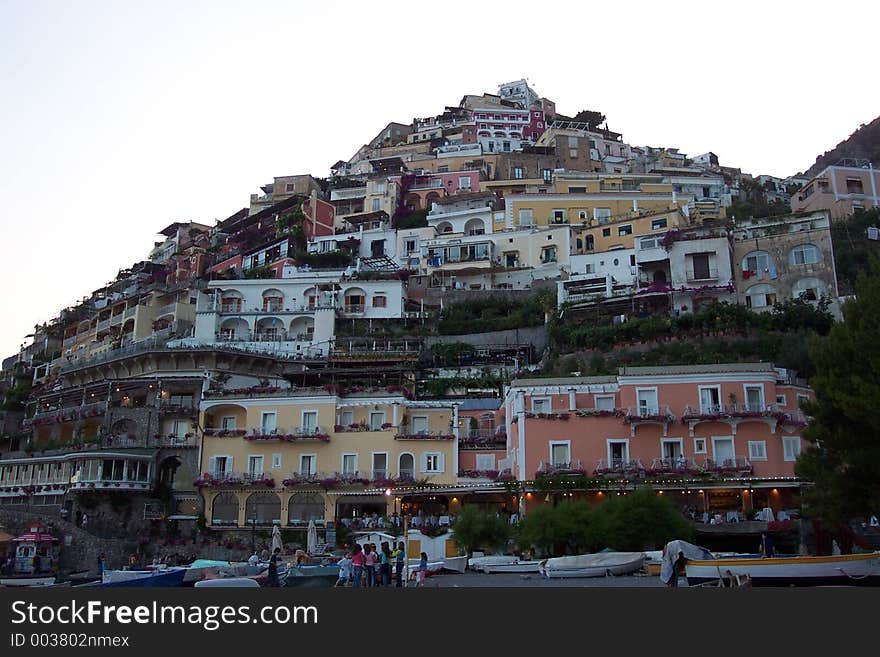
<point x="549" y="469"/>
<point x="659" y="413"/>
<point x="167" y="309"/>
<point x="622" y="466"/>
<point x="129" y="312"/>
<point x="355" y="309"/>
<point x="743" y="411"/>
<point x="735" y="464"/>
<point x="294" y="434"/>
<point x="105" y="324"/>
<point x="424" y="435"/>
<point x="672" y="465"/>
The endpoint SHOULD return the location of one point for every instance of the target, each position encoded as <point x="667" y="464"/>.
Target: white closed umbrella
<point x="276" y="538"/>
<point x="768" y="514"/>
<point x="312" y="538"/>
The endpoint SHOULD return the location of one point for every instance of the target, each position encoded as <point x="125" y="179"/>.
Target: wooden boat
<point x="455" y="564"/>
<point x="141" y="578"/>
<point x="593" y="565"/>
<point x="653" y="560"/>
<point x="843" y="569"/>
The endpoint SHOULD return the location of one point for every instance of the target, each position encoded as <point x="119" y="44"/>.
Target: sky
<point x="118" y="118"/>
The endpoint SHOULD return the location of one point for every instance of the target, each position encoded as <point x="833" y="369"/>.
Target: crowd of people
<point x="368" y="566"/>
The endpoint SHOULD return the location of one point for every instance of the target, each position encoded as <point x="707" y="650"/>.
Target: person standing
<point x="357" y="565"/>
<point x="85" y="521"/>
<point x="400" y="560"/>
<point x="423" y="569"/>
<point x="272" y="580"/>
<point x="767" y="549"/>
<point x="101" y="565"/>
<point x="344" y="570"/>
<point x="385" y="561"/>
<point x="369" y="565"/>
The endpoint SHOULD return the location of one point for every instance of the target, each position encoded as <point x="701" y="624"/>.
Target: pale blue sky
<point x="117" y="118"/>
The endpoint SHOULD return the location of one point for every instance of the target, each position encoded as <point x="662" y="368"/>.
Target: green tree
<point x="843" y="457"/>
<point x="591" y="117"/>
<point x="475" y="528"/>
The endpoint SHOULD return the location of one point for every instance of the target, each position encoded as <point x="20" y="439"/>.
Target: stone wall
<point x="79" y="549"/>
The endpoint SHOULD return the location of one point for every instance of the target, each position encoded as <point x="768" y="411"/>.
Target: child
<point x="423" y="569"/>
<point x="344" y="570"/>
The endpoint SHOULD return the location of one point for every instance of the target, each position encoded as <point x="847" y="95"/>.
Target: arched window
<point x="757" y="261"/>
<point x="264" y="508"/>
<point x="804" y="254"/>
<point x="809" y="289"/>
<point x="406" y="466"/>
<point x="303" y="507"/>
<point x="224" y="509"/>
<point x="760" y="296"/>
<point x="273" y="301"/>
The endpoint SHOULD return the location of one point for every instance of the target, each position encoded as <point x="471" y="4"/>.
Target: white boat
<point x="477" y="563"/>
<point x="14" y="582"/>
<point x="526" y="566"/>
<point x="455" y="564"/>
<point x="842" y="569"/>
<point x="593" y="565"/>
<point x="200" y="568"/>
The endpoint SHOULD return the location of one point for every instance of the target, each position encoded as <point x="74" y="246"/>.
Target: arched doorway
<point x="406" y="468"/>
<point x="303" y="507"/>
<point x="224" y="510"/>
<point x="265" y="508"/>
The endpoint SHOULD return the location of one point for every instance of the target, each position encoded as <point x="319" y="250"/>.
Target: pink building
<point x="503" y="129"/>
<point x="421" y="190"/>
<point x="840" y="189"/>
<point x="720" y="437"/>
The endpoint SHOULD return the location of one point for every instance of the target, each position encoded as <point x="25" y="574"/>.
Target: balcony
<point x="354" y="309"/>
<point x="167" y="309"/>
<point x="232" y="479"/>
<point x="548" y="469"/>
<point x="69" y="342"/>
<point x="483" y="440"/>
<point x="129" y="312"/>
<point x="660" y="414"/>
<point x="425" y="435"/>
<point x="737" y="413"/>
<point x="707" y="275"/>
<point x="620" y="466"/>
<point x="103" y="325"/>
<point x="671" y="465"/>
<point x="736" y="465"/>
<point x="294" y="434"/>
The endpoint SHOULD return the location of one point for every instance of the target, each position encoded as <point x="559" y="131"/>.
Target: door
<point x="380" y="466"/>
<point x="310" y="422"/>
<point x="723" y="452"/>
<point x="618" y="455"/>
<point x="267" y="424"/>
<point x="710" y="400"/>
<point x="647" y="402"/>
<point x="255" y="466"/>
<point x="701" y="266"/>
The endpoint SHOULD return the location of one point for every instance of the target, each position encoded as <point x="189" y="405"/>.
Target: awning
<point x="30" y="537"/>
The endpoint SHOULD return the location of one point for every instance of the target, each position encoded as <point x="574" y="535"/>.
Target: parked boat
<point x="141" y="578"/>
<point x="593" y="565"/>
<point x="455" y="564"/>
<point x="200" y="568"/>
<point x="312" y="575"/>
<point x="27" y="581"/>
<point x="843" y="569"/>
<point x="523" y="566"/>
<point x="477" y="563"/>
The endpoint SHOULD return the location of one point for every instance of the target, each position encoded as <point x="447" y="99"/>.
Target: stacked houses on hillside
<point x="236" y="373"/>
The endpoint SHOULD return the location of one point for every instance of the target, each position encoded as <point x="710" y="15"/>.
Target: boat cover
<point x="670" y="554"/>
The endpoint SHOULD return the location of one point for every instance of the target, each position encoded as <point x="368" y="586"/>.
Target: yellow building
<point x="590" y="202"/>
<point x="621" y="232"/>
<point x="313" y="454"/>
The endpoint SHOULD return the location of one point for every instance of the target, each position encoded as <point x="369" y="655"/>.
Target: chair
<point x="444" y="521"/>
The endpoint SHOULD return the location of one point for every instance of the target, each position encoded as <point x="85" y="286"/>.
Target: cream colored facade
<point x="303" y="440"/>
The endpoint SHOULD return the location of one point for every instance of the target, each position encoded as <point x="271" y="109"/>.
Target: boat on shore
<point x="455" y="564"/>
<point x="593" y="565"/>
<point x="504" y="564"/>
<point x="151" y="578"/>
<point x="843" y="569"/>
<point x="27" y="581"/>
<point x="311" y="575"/>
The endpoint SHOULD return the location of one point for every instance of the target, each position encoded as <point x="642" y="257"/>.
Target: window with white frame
<point x="671" y="449"/>
<point x="757" y="261"/>
<point x="411" y="246"/>
<point x="432" y="462"/>
<point x="255" y="465"/>
<point x="754" y="398"/>
<point x="525" y="217"/>
<point x="618" y="453"/>
<point x="647" y="401"/>
<point x="762" y="295"/>
<point x="349" y="464"/>
<point x="310" y="422"/>
<point x="517" y="173"/>
<point x="541" y="405"/>
<point x="380" y="465"/>
<point x="464" y="182"/>
<point x="420" y="424"/>
<point x="377" y="419"/>
<point x="346" y="418"/>
<point x="624" y="230"/>
<point x="219" y="465"/>
<point x="710" y="399"/>
<point x="780" y="400"/>
<point x="804" y="254"/>
<point x="757" y="450"/>
<point x="802" y="398"/>
<point x="723" y="451"/>
<point x="560" y="216"/>
<point x="791" y="447"/>
<point x="602" y="215"/>
<point x="181" y="428"/>
<point x="809" y="289"/>
<point x="267" y="422"/>
<point x="276" y="461"/>
<point x="228" y="422"/>
<point x="699" y="445"/>
<point x="560" y="453"/>
<point x="604" y="402"/>
<point x="485" y="462"/>
<point x="658" y="224"/>
<point x="308" y="464"/>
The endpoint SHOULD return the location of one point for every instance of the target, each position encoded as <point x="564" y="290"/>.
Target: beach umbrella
<point x="276" y="538"/>
<point x="312" y="538"/>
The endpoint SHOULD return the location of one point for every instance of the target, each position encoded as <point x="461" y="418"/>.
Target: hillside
<point x="864" y="143"/>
